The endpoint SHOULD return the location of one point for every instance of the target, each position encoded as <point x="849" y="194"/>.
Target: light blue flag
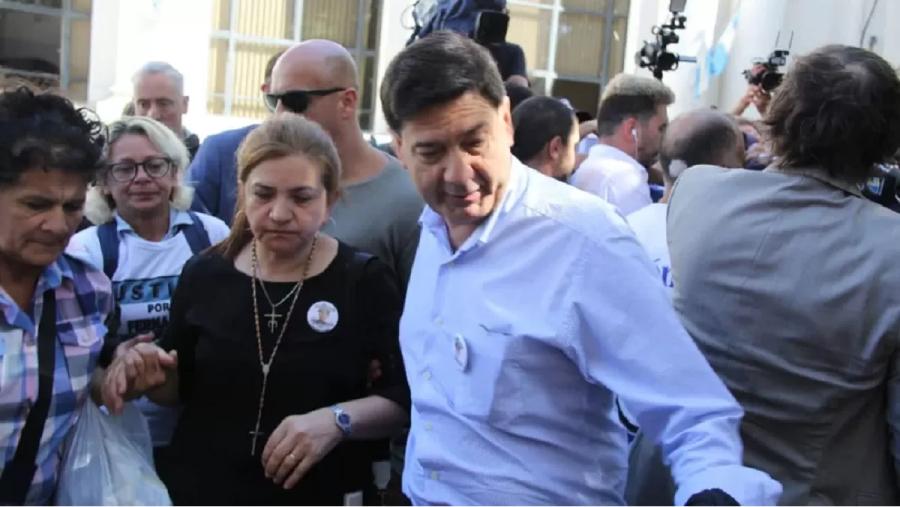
<point x="717" y="58"/>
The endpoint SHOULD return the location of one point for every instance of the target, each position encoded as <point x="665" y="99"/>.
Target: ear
<point x="555" y="149"/>
<point x="187" y="101"/>
<point x="625" y="128"/>
<point x="348" y="102"/>
<point x="396" y="143"/>
<point x="506" y="118"/>
<point x="264" y="88"/>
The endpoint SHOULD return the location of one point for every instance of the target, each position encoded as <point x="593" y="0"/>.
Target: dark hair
<point x="46" y="131"/>
<point x="517" y="94"/>
<point x="627" y="96"/>
<point x="537" y="121"/>
<point x="699" y="137"/>
<point x="838" y="109"/>
<point x="436" y="70"/>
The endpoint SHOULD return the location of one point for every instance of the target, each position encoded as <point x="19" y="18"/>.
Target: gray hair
<point x="164" y="68"/>
<point x="99" y="207"/>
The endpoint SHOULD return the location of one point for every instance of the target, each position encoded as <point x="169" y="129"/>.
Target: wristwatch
<point x="342" y="419"/>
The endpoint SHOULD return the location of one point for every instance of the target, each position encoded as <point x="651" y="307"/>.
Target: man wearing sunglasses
<point x="380" y="209"/>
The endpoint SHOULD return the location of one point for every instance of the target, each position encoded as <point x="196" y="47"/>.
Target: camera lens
<point x="770" y="81"/>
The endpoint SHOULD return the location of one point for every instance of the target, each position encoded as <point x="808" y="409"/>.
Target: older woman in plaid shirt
<point x="48" y="153"/>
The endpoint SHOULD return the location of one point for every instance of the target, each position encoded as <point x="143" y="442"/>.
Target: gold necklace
<point x="273" y="316"/>
<point x="265" y="365"/>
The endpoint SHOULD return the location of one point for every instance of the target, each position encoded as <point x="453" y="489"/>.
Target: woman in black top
<point x="271" y="341"/>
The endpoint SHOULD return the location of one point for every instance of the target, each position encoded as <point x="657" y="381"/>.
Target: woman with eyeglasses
<point x="143" y="237"/>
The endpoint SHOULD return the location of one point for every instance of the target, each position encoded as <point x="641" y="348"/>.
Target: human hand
<point x="745" y="100"/>
<point x="298" y="443"/>
<point x="123" y="347"/>
<point x="761" y="100"/>
<point x="141" y="367"/>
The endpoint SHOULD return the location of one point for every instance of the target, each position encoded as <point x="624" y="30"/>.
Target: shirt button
<point x="435" y="476"/>
<point x="438" y="322"/>
<point x="427" y="375"/>
<point x="428" y="427"/>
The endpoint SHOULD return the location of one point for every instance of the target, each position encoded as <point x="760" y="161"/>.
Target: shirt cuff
<point x="746" y="485"/>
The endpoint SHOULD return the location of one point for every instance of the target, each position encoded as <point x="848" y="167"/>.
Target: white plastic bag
<point x="109" y="461"/>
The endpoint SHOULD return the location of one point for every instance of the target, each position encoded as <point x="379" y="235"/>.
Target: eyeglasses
<point x="296" y="101"/>
<point x="155" y="167"/>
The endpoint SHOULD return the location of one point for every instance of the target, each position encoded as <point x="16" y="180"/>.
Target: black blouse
<point x="220" y="377"/>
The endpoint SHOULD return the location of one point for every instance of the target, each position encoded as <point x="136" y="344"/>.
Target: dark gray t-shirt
<point x="381" y="216"/>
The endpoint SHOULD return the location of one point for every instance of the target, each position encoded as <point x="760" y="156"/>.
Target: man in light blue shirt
<point x="525" y="318"/>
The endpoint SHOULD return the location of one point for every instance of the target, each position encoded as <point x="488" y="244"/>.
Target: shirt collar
<point x="177" y="220"/>
<point x="51" y="278"/>
<point x="608" y="151"/>
<point x="821" y="175"/>
<point x="512" y="194"/>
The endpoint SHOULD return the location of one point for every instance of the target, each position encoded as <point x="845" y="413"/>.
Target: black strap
<point x="19" y="472"/>
<point x="196" y="234"/>
<point x="108" y="235"/>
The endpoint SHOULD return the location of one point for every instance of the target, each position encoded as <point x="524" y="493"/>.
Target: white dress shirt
<point x="515" y="344"/>
<point x="615" y="176"/>
<point x="649" y="226"/>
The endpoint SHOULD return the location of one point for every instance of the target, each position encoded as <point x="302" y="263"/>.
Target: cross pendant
<point x="255" y="434"/>
<point x="273" y="320"/>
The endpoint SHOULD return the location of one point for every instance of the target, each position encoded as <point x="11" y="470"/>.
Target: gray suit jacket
<point x="789" y="281"/>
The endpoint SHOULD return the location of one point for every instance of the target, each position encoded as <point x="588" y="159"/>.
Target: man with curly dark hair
<point x="789" y="281"/>
<point x="52" y="307"/>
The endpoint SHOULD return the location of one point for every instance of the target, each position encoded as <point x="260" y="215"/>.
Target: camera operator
<point x="755" y="94"/>
<point x="788" y="279"/>
<point x="490" y="31"/>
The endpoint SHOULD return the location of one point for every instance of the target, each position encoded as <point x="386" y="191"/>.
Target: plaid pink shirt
<point x="83" y="301"/>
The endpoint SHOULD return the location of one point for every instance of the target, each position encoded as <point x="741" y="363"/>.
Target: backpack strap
<point x="18" y="473"/>
<point x="196" y="234"/>
<point x="109" y="247"/>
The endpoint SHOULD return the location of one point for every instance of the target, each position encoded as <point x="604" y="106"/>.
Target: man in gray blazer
<point x="789" y="281"/>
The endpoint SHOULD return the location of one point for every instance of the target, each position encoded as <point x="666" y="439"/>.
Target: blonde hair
<point x="283" y="135"/>
<point x="99" y="207"/>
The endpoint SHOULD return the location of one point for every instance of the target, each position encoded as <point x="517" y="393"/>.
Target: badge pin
<point x="461" y="351"/>
<point x="322" y="316"/>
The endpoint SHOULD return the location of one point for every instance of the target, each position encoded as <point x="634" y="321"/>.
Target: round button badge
<point x="322" y="316"/>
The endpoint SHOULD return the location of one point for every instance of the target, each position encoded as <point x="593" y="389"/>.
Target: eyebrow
<point x="302" y="188"/>
<point x="433" y="144"/>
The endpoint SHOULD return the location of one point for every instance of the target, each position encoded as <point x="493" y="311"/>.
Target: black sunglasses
<point x="296" y="101"/>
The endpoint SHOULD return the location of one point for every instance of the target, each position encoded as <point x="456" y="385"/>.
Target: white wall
<point x="125" y="35"/>
<point x="814" y="23"/>
<point x="396" y="27"/>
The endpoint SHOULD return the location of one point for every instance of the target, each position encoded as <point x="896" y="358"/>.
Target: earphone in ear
<point x="635" y="137"/>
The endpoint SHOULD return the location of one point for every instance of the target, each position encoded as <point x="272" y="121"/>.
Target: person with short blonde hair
<point x="274" y="375"/>
<point x="631" y="120"/>
<point x="143" y="236"/>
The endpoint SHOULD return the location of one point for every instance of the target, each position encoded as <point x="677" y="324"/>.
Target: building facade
<point x="89" y="49"/>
